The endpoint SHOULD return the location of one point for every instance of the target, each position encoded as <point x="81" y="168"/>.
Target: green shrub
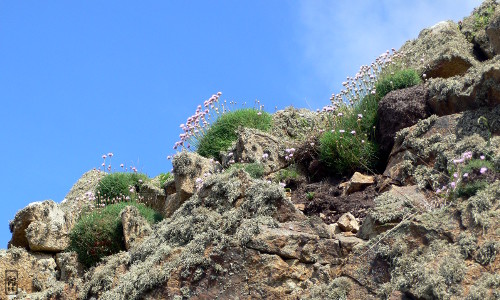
<point x="287" y="174"/>
<point x="116" y="186"/>
<point x="399" y="80"/>
<point x="100" y="233"/>
<point x="255" y="170"/>
<point x="222" y="133"/>
<point x="470" y="189"/>
<point x="164" y="177"/>
<point x="345" y="153"/>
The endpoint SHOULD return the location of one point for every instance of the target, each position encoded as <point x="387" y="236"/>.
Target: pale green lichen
<point x="482" y="205"/>
<point x="338" y="289"/>
<point x="487" y="252"/>
<point x="487" y="287"/>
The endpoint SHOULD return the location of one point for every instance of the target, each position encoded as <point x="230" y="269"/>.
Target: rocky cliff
<point x="426" y="226"/>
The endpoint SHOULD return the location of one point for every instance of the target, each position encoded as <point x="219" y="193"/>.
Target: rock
<point x="389" y="210"/>
<point x="288" y="243"/>
<point x="422" y="152"/>
<point x="439" y="51"/>
<point x="295" y="124"/>
<point x="188" y="168"/>
<point x="358" y="182"/>
<point x="397" y="110"/>
<point x="347" y="243"/>
<point x="334" y="229"/>
<point x="135" y="227"/>
<point x="21" y="271"/>
<point x="169" y="187"/>
<point x="493" y="32"/>
<point x="479" y="87"/>
<point x="41" y="226"/>
<point x="81" y="196"/>
<point x="152" y="195"/>
<point x="69" y="266"/>
<point x="347" y="222"/>
<point x="480" y="28"/>
<point x="255" y="146"/>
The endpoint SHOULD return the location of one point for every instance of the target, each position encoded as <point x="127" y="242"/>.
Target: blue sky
<point x="79" y="79"/>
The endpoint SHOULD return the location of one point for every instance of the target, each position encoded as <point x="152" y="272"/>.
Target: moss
<point x="389" y="208"/>
<point x="338" y="289"/>
<point x="432" y="272"/>
<point x="487" y="253"/>
<point x="467" y="244"/>
<point x="481" y="205"/>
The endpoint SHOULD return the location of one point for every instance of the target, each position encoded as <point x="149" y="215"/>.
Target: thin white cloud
<point x="336" y="37"/>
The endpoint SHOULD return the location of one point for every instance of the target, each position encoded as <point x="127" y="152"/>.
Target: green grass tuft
<point x="222" y="133"/>
<point x="100" y="233"/>
<point x="116" y="186"/>
<point x="399" y="80"/>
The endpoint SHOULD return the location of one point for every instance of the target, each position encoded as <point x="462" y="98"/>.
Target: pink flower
<point x="453" y="185"/>
<point x="121" y="166"/>
<point x="353" y="132"/>
<point x="455" y="175"/>
<point x="360" y="116"/>
<point x="482" y="157"/>
<point x="483" y="170"/>
<point x="104" y="156"/>
<point x="341" y="130"/>
<point x="466" y="175"/>
<point x="110" y="154"/>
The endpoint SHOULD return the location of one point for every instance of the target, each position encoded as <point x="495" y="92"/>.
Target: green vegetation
<point x="310" y="195"/>
<point x="399" y="80"/>
<point x="222" y="133"/>
<point x="482" y="20"/>
<point x="349" y="145"/>
<point x="255" y="170"/>
<point x="100" y="233"/>
<point x="164" y="177"/>
<point x="116" y="187"/>
<point x="287" y="174"/>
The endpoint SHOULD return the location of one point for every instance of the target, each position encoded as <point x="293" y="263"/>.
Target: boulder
<point x="135" y="227"/>
<point x="24" y="272"/>
<point x="347" y="223"/>
<point x="81" y="196"/>
<point x="493" y="32"/>
<point x="481" y="29"/>
<point x="422" y="153"/>
<point x="357" y="183"/>
<point x="188" y="168"/>
<point x="480" y="87"/>
<point x="295" y="124"/>
<point x="440" y="51"/>
<point x="255" y="146"/>
<point x="397" y="110"/>
<point x="71" y="270"/>
<point x="390" y="208"/>
<point x="289" y="243"/>
<point x="41" y="226"/>
<point x="152" y="195"/>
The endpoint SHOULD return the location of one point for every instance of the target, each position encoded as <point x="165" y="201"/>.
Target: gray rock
<point x="347" y="223"/>
<point x="41" y="226"/>
<point x="439" y="51"/>
<point x="69" y="266"/>
<point x="135" y="227"/>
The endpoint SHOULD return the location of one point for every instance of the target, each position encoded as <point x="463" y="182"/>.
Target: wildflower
<point x="360" y="116"/>
<point x="121" y="166"/>
<point x="453" y="185"/>
<point x="199" y="181"/>
<point x="230" y="154"/>
<point x="312" y="144"/>
<point x="483" y="170"/>
<point x="438" y="191"/>
<point x="259" y="113"/>
<point x="467" y="155"/>
<point x="455" y="175"/>
<point x="169" y="157"/>
<point x="340" y="114"/>
<point x="341" y="130"/>
<point x="482" y="157"/>
<point x="110" y="154"/>
<point x="265" y="156"/>
<point x="424" y="75"/>
<point x="465" y="175"/>
<point x="104" y="156"/>
<point x="362" y="141"/>
<point x="103" y="164"/>
<point x="131" y="190"/>
<point x="458" y="161"/>
<point x="353" y="132"/>
<point x="282" y="184"/>
<point x="140" y="180"/>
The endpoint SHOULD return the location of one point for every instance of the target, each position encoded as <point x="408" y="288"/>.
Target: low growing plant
<point x="255" y="170"/>
<point x="118" y="186"/>
<point x="222" y="133"/>
<point x="100" y="233"/>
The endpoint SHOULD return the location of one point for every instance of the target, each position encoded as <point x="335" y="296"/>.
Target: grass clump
<point x="164" y="177"/>
<point x="222" y="133"/>
<point x="117" y="187"/>
<point x="288" y="174"/>
<point x="100" y="233"/>
<point x="255" y="170"/>
<point x="399" y="80"/>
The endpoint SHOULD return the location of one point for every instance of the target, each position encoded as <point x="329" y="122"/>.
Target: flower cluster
<point x="197" y="124"/>
<point x="290" y="153"/>
<point x="363" y="83"/>
<point x="458" y="176"/>
<point x="109" y="168"/>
